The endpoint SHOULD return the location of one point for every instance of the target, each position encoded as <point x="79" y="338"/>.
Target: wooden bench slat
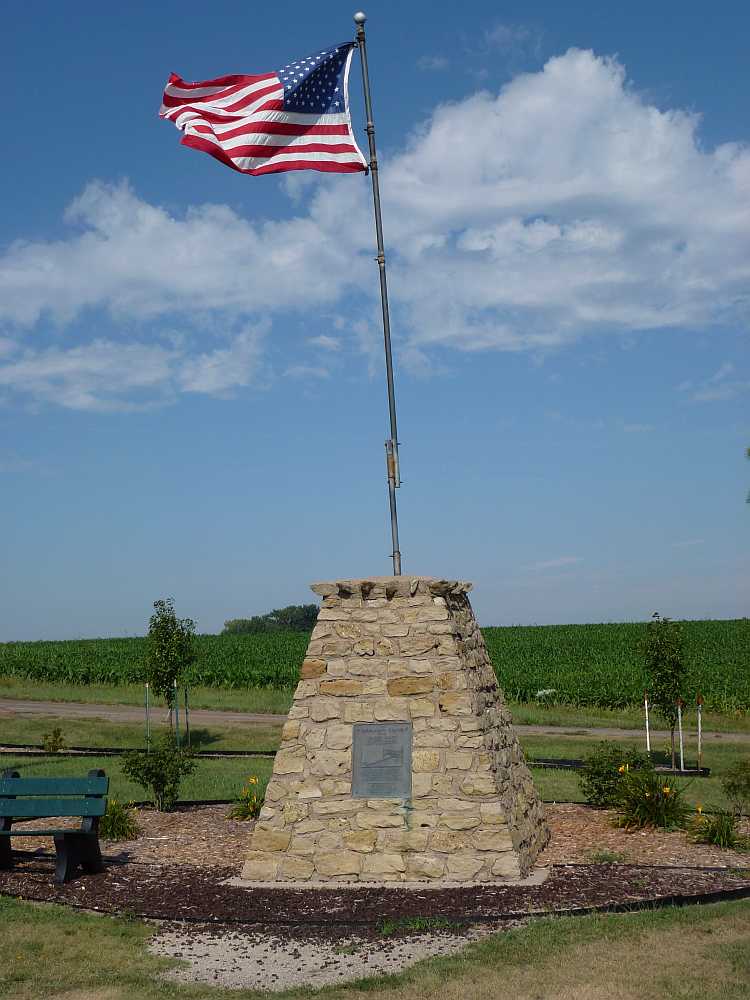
<point x="35" y="833"/>
<point x="53" y="786"/>
<point x="52" y="807"/>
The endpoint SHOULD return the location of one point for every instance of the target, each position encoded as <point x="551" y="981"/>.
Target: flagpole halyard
<point x="391" y="445"/>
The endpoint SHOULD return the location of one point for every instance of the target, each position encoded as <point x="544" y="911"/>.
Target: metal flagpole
<point x="391" y="445"/>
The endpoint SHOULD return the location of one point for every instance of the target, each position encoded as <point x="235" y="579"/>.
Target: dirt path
<point x="134" y="713"/>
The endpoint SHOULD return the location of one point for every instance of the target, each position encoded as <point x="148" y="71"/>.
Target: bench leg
<point x="76" y="850"/>
<point x="66" y="849"/>
<point x="91" y="855"/>
<point x="6" y="856"/>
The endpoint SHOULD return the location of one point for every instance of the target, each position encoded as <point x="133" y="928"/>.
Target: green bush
<point x="605" y="769"/>
<point x="249" y="802"/>
<point x="647" y="798"/>
<point x="736" y="785"/>
<point x="719" y="829"/>
<point x="53" y="741"/>
<point x="160" y="770"/>
<point x="118" y="822"/>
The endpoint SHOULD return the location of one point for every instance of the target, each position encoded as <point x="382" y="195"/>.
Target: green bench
<point x="34" y="798"/>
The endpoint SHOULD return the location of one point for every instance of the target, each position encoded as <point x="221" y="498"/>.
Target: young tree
<point x="170" y="650"/>
<point x="662" y="649"/>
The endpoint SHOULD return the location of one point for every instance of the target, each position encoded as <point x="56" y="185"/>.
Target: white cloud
<point x="556" y="563"/>
<point x="326" y="342"/>
<point x="718" y="387"/>
<point x="307" y="371"/>
<point x="582" y="210"/>
<point x="433" y="63"/>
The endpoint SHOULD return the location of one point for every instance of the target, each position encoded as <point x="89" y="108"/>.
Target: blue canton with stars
<point x="315" y="85"/>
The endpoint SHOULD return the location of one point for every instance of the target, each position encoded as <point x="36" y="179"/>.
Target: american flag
<point x="294" y="119"/>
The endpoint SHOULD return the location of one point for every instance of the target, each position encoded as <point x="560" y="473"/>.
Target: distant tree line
<point x="294" y="618"/>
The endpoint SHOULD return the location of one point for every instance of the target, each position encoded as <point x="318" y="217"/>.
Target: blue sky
<point x="192" y="397"/>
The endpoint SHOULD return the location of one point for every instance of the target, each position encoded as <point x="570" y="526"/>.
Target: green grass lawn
<point x="223" y="778"/>
<point x="277" y="701"/>
<point x="690" y="953"/>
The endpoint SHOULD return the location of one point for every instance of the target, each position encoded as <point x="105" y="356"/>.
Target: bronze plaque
<point x="381" y="760"/>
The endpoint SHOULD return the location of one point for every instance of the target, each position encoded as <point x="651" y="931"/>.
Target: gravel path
<point x="204" y="716"/>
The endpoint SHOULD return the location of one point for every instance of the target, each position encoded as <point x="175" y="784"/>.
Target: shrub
<point x="662" y="649"/>
<point x="736" y="786"/>
<point x="720" y="829"/>
<point x="170" y="650"/>
<point x="647" y="798"/>
<point x="249" y="802"/>
<point x="53" y="741"/>
<point x="118" y="822"/>
<point x="160" y="770"/>
<point x="604" y="771"/>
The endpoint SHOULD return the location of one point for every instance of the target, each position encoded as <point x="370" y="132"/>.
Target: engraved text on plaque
<point x="381" y="760"/>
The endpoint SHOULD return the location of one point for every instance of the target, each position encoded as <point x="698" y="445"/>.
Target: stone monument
<point x="398" y="761"/>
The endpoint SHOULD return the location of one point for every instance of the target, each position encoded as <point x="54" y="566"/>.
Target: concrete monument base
<point x="398" y="761"/>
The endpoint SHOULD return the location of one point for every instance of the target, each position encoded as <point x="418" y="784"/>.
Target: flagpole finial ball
<point x="360" y="17"/>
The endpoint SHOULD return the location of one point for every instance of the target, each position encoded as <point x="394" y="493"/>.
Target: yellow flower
<point x="699" y="809"/>
<point x="252" y="780"/>
<point x="667" y="790"/>
<point x="622" y="768"/>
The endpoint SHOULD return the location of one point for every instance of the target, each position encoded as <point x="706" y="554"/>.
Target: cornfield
<point x="598" y="665"/>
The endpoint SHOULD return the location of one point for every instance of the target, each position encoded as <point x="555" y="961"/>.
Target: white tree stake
<point x="700" y="732"/>
<point x="679" y="725"/>
<point x="648" y="732"/>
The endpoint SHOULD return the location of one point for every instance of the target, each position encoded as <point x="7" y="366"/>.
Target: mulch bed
<point x="190" y="892"/>
<point x="176" y="871"/>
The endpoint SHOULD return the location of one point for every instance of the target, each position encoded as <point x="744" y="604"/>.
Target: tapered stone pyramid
<point x="398" y="761"/>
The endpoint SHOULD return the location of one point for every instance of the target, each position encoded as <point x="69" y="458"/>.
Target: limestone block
<point x="425" y="760"/>
<point x="455" y="703"/>
<point x="270" y="840"/>
<point x="289" y="762"/>
<point x="469" y="742"/>
<point x="383" y="864"/>
<point x="410" y="685"/>
<point x="336" y="647"/>
<point x="341" y="687"/>
<point x="290" y="730"/>
<point x="460" y="821"/>
<point x="261" y="867"/>
<point x="394" y="631"/>
<point x="425" y="865"/>
<point x="296" y="868"/>
<point x="492" y="840"/>
<point x="312" y="667"/>
<point x="360" y="840"/>
<point x="418" y="645"/>
<point x="329" y="841"/>
<point x="479" y="784"/>
<point x="460" y="760"/>
<point x="462" y="868"/>
<point x="308" y="826"/>
<point x="458" y="805"/>
<point x="304" y="844"/>
<point x="507" y="866"/>
<point x="276" y="790"/>
<point x="348" y="630"/>
<point x="421" y="708"/>
<point x="336" y="786"/>
<point x="373" y="685"/>
<point x="421" y="784"/>
<point x="322" y="709"/>
<point x="309" y="790"/>
<point x="358" y="711"/>
<point x="447" y="841"/>
<point x="425" y="820"/>
<point x="330" y="762"/>
<point x="293" y="812"/>
<point x="392" y="711"/>
<point x="338" y="863"/>
<point x="369" y="819"/>
<point x="313" y="737"/>
<point x="427" y="738"/>
<point x="299" y="712"/>
<point x="405" y="840"/>
<point x="366" y="668"/>
<point x="336" y="807"/>
<point x="339" y="737"/>
<point x="492" y="812"/>
<point x="364" y="647"/>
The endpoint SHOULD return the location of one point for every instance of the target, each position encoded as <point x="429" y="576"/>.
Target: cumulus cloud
<point x="581" y="210"/>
